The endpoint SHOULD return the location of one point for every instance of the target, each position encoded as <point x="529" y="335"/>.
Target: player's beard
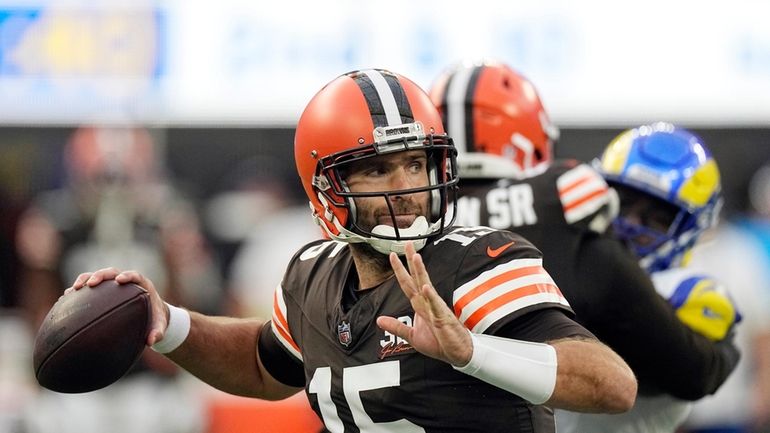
<point x="370" y="217"/>
<point x="412" y="204"/>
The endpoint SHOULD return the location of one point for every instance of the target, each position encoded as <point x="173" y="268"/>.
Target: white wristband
<point x="176" y="331"/>
<point x="520" y="367"/>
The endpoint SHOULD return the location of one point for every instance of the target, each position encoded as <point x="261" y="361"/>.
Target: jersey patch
<point x="392" y="345"/>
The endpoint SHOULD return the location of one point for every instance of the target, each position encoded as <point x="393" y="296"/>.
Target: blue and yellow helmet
<point x="669" y="188"/>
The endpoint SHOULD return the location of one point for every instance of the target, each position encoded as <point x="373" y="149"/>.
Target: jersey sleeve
<point x="279" y="350"/>
<point x="280" y="325"/>
<point x="586" y="199"/>
<point x="500" y="278"/>
<point x="278" y="361"/>
<point x="543" y="326"/>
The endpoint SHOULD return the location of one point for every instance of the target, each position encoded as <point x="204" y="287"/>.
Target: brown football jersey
<point x="361" y="378"/>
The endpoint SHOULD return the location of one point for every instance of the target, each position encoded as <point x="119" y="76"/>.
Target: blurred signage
<point x="77" y="63"/>
<point x="242" y="62"/>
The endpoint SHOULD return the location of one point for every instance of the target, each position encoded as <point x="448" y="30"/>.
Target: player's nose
<point x="401" y="179"/>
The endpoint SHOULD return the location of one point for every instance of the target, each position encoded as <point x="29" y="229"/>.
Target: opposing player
<point x="476" y="323"/>
<point x="511" y="181"/>
<point x="670" y="193"/>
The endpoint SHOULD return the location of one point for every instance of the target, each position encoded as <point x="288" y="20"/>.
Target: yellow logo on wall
<point x="68" y="43"/>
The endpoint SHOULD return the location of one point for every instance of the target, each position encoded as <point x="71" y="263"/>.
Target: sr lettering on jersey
<point x="509" y="206"/>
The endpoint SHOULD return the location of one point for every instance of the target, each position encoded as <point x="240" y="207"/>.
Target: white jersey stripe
<point x="586" y="208"/>
<point x="392" y="114"/>
<point x="582" y="192"/>
<point x="488" y="275"/>
<point x="590" y="186"/>
<point x="574" y="174"/>
<point x="508" y="286"/>
<point x="516" y="305"/>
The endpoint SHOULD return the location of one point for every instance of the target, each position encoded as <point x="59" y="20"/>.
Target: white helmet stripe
<point x="392" y="114"/>
<point x="455" y="107"/>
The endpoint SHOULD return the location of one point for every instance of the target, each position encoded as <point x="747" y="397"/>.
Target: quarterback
<point x="471" y="334"/>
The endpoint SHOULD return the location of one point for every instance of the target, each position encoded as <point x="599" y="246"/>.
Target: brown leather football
<point x="92" y="337"/>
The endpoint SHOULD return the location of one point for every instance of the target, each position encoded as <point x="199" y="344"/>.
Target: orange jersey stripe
<point x="496" y="303"/>
<point x="282" y="325"/>
<point x="575" y="184"/>
<point x="277" y="313"/>
<point x="288" y="338"/>
<point x="584" y="199"/>
<point x="494" y="282"/>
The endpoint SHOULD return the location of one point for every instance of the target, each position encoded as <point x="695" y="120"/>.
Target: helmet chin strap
<point x="419" y="227"/>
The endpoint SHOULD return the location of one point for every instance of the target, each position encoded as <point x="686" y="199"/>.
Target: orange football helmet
<point x="496" y="119"/>
<point x="364" y="114"/>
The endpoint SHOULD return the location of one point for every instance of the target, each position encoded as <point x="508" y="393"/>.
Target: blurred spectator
<point x="258" y="266"/>
<point x="255" y="228"/>
<point x="118" y="208"/>
<point x="739" y="253"/>
<point x="258" y="223"/>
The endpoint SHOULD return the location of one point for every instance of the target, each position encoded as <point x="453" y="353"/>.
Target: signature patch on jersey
<point x="395" y="349"/>
<point x="343" y="333"/>
<point x="497" y="251"/>
<point x="392" y="345"/>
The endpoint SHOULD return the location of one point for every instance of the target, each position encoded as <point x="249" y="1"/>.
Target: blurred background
<point x="158" y="135"/>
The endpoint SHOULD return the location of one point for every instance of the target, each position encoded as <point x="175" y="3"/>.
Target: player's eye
<point x="416" y="166"/>
<point x="376" y="170"/>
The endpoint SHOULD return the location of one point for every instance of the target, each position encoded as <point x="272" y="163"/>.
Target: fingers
<point x="436" y="305"/>
<point x="410" y="253"/>
<point x="402" y="275"/>
<point x="159" y="320"/>
<point x="133" y="277"/>
<point x="92" y="279"/>
<point x="417" y="268"/>
<point x="80" y="281"/>
<point x="158" y="324"/>
<point x="395" y="327"/>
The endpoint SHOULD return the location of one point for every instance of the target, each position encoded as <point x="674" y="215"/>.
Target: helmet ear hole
<point x="538" y="155"/>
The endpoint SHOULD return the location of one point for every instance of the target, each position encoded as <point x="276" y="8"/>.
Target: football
<point x="91" y="337"/>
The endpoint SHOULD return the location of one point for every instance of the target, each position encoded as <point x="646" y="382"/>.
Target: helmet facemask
<point x="672" y="183"/>
<point x="661" y="233"/>
<point x="333" y="191"/>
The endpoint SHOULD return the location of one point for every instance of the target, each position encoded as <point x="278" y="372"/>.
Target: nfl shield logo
<point x="343" y="333"/>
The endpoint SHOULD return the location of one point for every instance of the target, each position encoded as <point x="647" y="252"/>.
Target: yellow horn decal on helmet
<point x="616" y="154"/>
<point x="699" y="188"/>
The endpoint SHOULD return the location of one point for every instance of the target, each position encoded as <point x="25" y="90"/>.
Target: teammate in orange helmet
<point x="383" y="338"/>
<point x="510" y="180"/>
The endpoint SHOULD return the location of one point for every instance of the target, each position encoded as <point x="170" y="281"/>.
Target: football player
<point x="670" y="193"/>
<point x="510" y="180"/>
<point x="471" y="334"/>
